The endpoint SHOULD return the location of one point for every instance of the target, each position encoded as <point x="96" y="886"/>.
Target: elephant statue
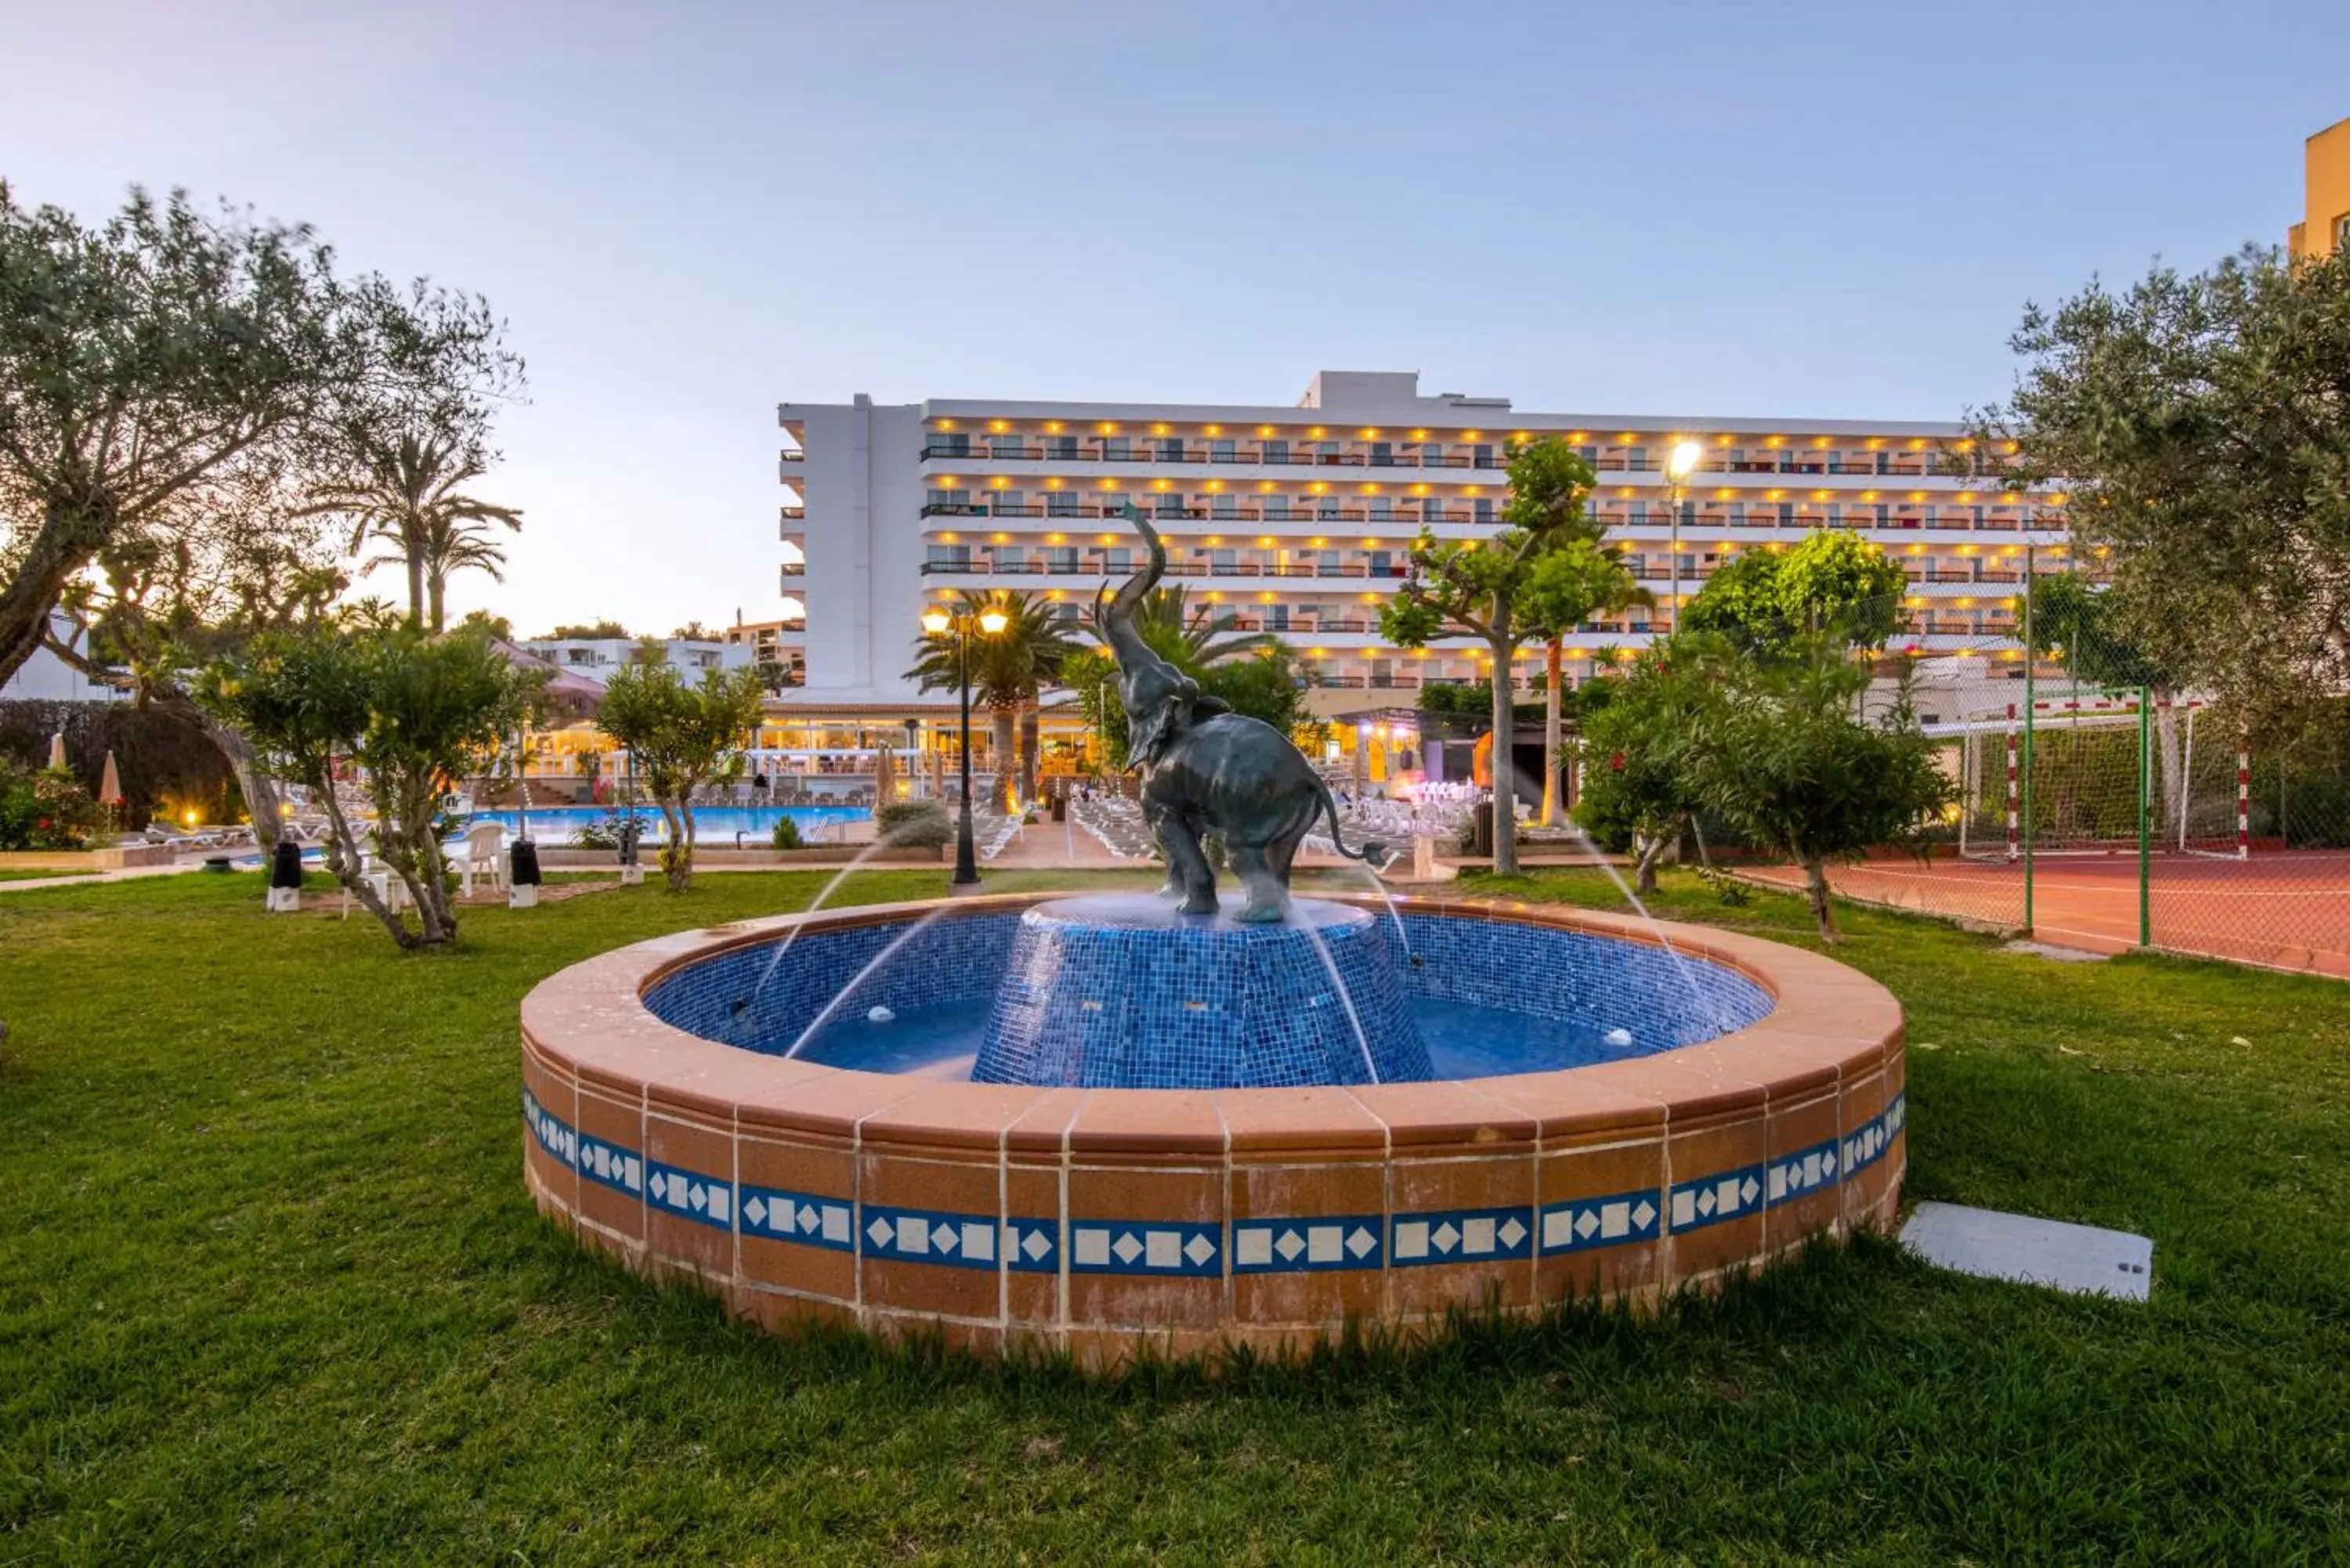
<point x="1208" y="770"/>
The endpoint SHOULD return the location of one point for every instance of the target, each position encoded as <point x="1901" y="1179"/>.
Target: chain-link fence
<point x="2112" y="818"/>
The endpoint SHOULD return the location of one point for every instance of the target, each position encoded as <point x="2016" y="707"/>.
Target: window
<point x="1116" y="449"/>
<point x="1277" y="451"/>
<point x="1223" y="506"/>
<point x="1060" y="504"/>
<point x="1064" y="447"/>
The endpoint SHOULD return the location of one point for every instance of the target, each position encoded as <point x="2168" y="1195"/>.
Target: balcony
<point x="1093" y="452"/>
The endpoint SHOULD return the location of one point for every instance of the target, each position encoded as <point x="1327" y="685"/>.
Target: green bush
<point x="787" y="834"/>
<point x="604" y="832"/>
<point x="915" y="823"/>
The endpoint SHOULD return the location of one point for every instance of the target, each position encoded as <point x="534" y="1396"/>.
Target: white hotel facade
<point x="1299" y="519"/>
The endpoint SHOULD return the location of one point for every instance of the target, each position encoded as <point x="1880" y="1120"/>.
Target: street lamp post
<point x="1682" y="463"/>
<point x="938" y="623"/>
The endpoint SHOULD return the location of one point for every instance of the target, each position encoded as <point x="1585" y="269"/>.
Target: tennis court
<point x="2281" y="908"/>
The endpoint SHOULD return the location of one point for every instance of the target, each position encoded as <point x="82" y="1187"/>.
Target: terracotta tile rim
<point x="590" y="1020"/>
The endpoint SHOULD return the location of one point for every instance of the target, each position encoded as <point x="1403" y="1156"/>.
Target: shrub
<point x="915" y="823"/>
<point x="45" y="810"/>
<point x="604" y="832"/>
<point x="787" y="833"/>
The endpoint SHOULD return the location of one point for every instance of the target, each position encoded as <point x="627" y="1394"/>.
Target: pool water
<point x="942" y="1041"/>
<point x="714" y="825"/>
<point x="1485" y="997"/>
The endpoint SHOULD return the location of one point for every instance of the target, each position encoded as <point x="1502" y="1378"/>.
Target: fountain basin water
<point x="667" y="1126"/>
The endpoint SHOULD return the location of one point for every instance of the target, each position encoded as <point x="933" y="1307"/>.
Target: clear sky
<point x="691" y="212"/>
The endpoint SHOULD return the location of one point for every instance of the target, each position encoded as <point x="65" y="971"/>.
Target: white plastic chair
<point x="483" y="853"/>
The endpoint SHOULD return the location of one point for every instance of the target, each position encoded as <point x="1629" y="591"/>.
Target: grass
<point x="34" y="873"/>
<point x="270" y="1290"/>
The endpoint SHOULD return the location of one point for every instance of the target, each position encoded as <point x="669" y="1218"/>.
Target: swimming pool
<point x="712" y="825"/>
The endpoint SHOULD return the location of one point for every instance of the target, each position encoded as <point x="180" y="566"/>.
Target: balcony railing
<point x="984" y="451"/>
<point x="1176" y="566"/>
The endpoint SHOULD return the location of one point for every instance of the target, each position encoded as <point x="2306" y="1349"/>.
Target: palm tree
<point x="406" y="492"/>
<point x="452" y="545"/>
<point x="1008" y="672"/>
<point x="1193" y="637"/>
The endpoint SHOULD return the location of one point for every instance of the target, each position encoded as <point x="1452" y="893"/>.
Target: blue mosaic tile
<point x="1585" y="1222"/>
<point x="801" y="1216"/>
<point x="1162" y="1010"/>
<point x="1461" y="1236"/>
<point x="1119" y="991"/>
<point x="1304" y="1246"/>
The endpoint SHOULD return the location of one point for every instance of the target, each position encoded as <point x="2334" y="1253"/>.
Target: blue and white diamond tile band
<point x="801" y="1217"/>
<point x="1867" y="1143"/>
<point x="1585" y="1222"/>
<point x="1462" y="1235"/>
<point x="1300" y="1246"/>
<point x="1145" y="1247"/>
<point x="926" y="1236"/>
<point x="1031" y="1246"/>
<point x="1805" y="1172"/>
<point x="690" y="1195"/>
<point x="1711" y="1199"/>
<point x="1034" y="1244"/>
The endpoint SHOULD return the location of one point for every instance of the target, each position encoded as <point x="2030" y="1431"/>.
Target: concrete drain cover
<point x="2061" y="955"/>
<point x="1995" y="1246"/>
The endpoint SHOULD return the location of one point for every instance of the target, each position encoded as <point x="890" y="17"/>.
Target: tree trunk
<point x="1815" y="892"/>
<point x="415" y="583"/>
<point x="1030" y="727"/>
<point x="65" y="543"/>
<point x="344" y="860"/>
<point x="1505" y="818"/>
<point x="1551" y="808"/>
<point x="435" y="589"/>
<point x="263" y="803"/>
<point x="1646" y="851"/>
<point x="1007" y="777"/>
<point x="677" y="855"/>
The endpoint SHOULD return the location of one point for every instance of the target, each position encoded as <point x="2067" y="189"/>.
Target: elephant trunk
<point x="1113" y="620"/>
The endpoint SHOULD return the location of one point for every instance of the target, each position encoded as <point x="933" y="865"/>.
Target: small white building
<point x="46" y="678"/>
<point x="595" y="658"/>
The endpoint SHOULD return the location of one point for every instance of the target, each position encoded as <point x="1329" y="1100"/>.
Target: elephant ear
<point x="1203" y="706"/>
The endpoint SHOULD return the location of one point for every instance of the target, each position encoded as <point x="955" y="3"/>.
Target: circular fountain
<point x="1095" y="1125"/>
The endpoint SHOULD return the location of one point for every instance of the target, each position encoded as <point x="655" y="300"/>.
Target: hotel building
<point x="2325" y="226"/>
<point x="1299" y="519"/>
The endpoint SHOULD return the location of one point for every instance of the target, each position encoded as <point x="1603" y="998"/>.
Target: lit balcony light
<point x="992" y="620"/>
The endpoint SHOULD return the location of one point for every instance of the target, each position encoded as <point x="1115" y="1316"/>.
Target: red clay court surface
<point x="2283" y="908"/>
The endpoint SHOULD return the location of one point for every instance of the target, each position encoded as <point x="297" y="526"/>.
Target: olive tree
<point x="152" y="360"/>
<point x="393" y="707"/>
<point x="679" y="738"/>
<point x="1831" y="584"/>
<point x="1639" y="789"/>
<point x="1494" y="589"/>
<point x="1776" y="750"/>
<point x="2197" y="422"/>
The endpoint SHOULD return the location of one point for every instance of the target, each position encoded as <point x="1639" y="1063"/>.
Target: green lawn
<point x="35" y="873"/>
<point x="270" y="1290"/>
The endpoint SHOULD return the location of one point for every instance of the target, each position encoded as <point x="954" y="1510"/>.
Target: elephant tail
<point x="1373" y="853"/>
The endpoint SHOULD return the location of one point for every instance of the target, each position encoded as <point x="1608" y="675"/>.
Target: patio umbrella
<point x="110" y="782"/>
<point x="58" y="751"/>
<point x="883" y="773"/>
